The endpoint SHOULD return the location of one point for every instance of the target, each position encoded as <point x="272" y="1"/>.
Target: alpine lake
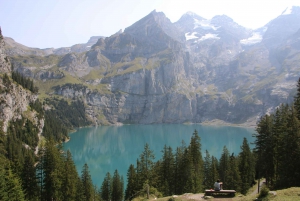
<point x="107" y="148"/>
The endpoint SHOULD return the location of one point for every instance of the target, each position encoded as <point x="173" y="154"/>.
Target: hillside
<point x="192" y="71"/>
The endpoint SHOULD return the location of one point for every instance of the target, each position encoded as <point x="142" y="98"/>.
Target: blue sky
<point x="62" y="23"/>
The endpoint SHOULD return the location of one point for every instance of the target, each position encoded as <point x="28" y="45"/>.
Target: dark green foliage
<point x="76" y="87"/>
<point x="70" y="176"/>
<point x="29" y="179"/>
<point x="106" y="188"/>
<point x="53" y="173"/>
<point x="117" y="187"/>
<point x="167" y="168"/>
<point x="246" y="167"/>
<point x="131" y="188"/>
<point x="208" y="171"/>
<point x="38" y="107"/>
<point x="87" y="183"/>
<point x="224" y="166"/>
<point x="277" y="145"/>
<point x="63" y="118"/>
<point x="233" y="178"/>
<point x="13" y="187"/>
<point x="264" y="191"/>
<point x="24" y="82"/>
<point x="197" y="163"/>
<point x="146" y="164"/>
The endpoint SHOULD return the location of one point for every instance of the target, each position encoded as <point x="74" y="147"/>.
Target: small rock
<point x="272" y="193"/>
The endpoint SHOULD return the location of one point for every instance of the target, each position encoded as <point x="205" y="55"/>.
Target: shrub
<point x="264" y="192"/>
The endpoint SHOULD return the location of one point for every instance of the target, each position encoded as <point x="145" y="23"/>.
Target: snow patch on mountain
<point x="190" y="36"/>
<point x="209" y="36"/>
<point x="255" y="38"/>
<point x="204" y="24"/>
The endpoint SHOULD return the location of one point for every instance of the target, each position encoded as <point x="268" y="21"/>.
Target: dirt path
<point x="200" y="196"/>
<point x="255" y="192"/>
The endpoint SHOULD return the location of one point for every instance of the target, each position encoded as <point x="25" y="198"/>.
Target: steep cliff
<point x="14" y="99"/>
<point x="194" y="70"/>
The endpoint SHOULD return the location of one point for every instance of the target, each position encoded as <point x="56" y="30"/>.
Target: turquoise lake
<point x="107" y="148"/>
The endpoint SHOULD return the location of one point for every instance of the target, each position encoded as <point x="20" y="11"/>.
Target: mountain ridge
<point x="153" y="73"/>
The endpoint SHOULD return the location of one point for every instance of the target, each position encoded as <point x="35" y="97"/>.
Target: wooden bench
<point x="212" y="192"/>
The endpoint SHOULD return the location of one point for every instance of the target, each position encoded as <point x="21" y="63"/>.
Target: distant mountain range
<point x="156" y="71"/>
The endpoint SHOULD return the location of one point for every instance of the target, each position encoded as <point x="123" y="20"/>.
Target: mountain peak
<point x="291" y="10"/>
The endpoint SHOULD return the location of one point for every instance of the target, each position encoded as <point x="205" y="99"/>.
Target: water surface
<point x="107" y="148"/>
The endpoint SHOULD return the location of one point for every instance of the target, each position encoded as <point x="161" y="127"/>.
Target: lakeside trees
<point x="277" y="148"/>
<point x="277" y="145"/>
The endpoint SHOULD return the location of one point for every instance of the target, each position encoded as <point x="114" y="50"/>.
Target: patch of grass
<point x="36" y="61"/>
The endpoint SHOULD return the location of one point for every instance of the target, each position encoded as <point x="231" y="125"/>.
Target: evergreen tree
<point x="52" y="172"/>
<point x="246" y="167"/>
<point x="297" y="100"/>
<point x="13" y="187"/>
<point x="233" y="179"/>
<point x="179" y="177"/>
<point x="289" y="169"/>
<point x="197" y="162"/>
<point x="117" y="187"/>
<point x="106" y="188"/>
<point x="214" y="170"/>
<point x="80" y="190"/>
<point x="264" y="148"/>
<point x="167" y="171"/>
<point x="208" y="180"/>
<point x="131" y="188"/>
<point x="87" y="183"/>
<point x="224" y="166"/>
<point x="146" y="165"/>
<point x="69" y="178"/>
<point x="29" y="179"/>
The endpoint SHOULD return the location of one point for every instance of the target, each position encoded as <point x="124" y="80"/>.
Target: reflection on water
<point x="106" y="148"/>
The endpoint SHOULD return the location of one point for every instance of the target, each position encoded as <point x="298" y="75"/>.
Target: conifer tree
<point x="70" y="176"/>
<point x="179" y="172"/>
<point x="290" y="165"/>
<point x="297" y="99"/>
<point x="52" y="172"/>
<point x="214" y="170"/>
<point x="87" y="183"/>
<point x="117" y="187"/>
<point x="246" y="167"/>
<point x="167" y="171"/>
<point x="207" y="168"/>
<point x="106" y="188"/>
<point x="233" y="179"/>
<point x="131" y="188"/>
<point x="29" y="179"/>
<point x="224" y="166"/>
<point x="264" y="148"/>
<point x="197" y="162"/>
<point x="13" y="187"/>
<point x="146" y="165"/>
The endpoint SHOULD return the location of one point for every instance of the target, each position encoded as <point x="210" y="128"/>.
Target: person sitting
<point x="218" y="185"/>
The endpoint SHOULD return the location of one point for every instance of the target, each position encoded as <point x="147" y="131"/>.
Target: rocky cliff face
<point x="14" y="99"/>
<point x="194" y="70"/>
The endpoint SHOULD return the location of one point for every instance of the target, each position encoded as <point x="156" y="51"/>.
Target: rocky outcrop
<point x="5" y="66"/>
<point x="14" y="99"/>
<point x="194" y="70"/>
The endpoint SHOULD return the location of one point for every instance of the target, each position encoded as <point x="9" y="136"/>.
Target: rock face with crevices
<point x="14" y="99"/>
<point x="193" y="70"/>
